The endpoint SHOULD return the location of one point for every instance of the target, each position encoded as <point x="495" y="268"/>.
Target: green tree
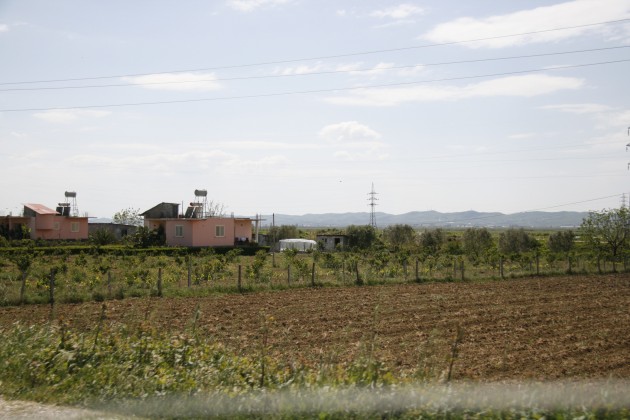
<point x="361" y="237"/>
<point x="283" y="232"/>
<point x="145" y="237"/>
<point x="128" y="216"/>
<point x="606" y="233"/>
<point x="399" y="236"/>
<point x="514" y="242"/>
<point x="102" y="237"/>
<point x="562" y="243"/>
<point x="431" y="241"/>
<point x="477" y="244"/>
<point x="23" y="261"/>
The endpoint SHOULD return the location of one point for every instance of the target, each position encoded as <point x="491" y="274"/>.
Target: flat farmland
<point x="542" y="328"/>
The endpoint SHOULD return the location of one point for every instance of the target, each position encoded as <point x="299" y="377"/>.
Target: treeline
<point x="603" y="238"/>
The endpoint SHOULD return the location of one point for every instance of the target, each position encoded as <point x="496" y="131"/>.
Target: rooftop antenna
<point x="372" y="199"/>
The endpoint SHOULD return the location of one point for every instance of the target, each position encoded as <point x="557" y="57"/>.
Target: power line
<point x="301" y="92"/>
<point x="315" y="73"/>
<point x="325" y="57"/>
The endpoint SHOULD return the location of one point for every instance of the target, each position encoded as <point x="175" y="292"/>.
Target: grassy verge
<point x="142" y="371"/>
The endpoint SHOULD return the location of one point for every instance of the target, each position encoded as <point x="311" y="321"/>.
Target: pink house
<point x="197" y="229"/>
<point x="45" y="223"/>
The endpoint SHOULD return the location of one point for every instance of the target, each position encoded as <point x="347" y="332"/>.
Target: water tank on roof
<point x="71" y="194"/>
<point x="201" y="193"/>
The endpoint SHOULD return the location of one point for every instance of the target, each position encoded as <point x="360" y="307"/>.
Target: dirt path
<point x="526" y="329"/>
<point x="14" y="410"/>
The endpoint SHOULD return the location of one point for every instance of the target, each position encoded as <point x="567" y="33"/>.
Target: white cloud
<point x="520" y="86"/>
<point x="356" y="69"/>
<point x="302" y="69"/>
<point x="261" y="165"/>
<point x="607" y="117"/>
<point x="402" y="11"/>
<point x="251" y="5"/>
<point x="266" y="145"/>
<point x="376" y="70"/>
<point x="166" y="161"/>
<point x="65" y="116"/>
<point x="572" y="13"/>
<point x="348" y="131"/>
<point x="4" y="27"/>
<point x="357" y="141"/>
<point x="520" y="136"/>
<point x="579" y="108"/>
<point x="177" y="81"/>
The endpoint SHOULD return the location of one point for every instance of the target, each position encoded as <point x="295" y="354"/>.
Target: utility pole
<point x="624" y="195"/>
<point x="372" y="199"/>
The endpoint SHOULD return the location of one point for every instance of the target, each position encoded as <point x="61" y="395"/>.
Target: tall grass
<point x="142" y="371"/>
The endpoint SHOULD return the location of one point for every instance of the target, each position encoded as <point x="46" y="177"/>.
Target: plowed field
<point x="538" y="328"/>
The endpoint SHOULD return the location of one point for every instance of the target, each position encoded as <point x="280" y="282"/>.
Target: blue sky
<point x="298" y="106"/>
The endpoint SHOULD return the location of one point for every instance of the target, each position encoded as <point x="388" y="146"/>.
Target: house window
<point x="74" y="227"/>
<point x="56" y="226"/>
<point x="179" y="231"/>
<point x="219" y="231"/>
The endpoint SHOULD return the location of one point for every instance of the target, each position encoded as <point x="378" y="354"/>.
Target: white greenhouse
<point x="301" y="245"/>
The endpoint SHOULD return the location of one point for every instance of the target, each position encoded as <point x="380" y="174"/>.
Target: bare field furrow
<point x="536" y="328"/>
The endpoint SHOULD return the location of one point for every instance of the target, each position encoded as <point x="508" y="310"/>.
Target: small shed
<point x="301" y="245"/>
<point x="332" y="242"/>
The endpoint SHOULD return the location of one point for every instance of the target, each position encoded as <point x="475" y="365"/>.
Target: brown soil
<point x="536" y="328"/>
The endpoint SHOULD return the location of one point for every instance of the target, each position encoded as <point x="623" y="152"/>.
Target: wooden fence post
<point x="461" y="269"/>
<point x="501" y="267"/>
<point x="189" y="270"/>
<point x="359" y="281"/>
<point x="289" y="275"/>
<point x="417" y="277"/>
<point x="52" y="287"/>
<point x="313" y="275"/>
<point x="537" y="264"/>
<point x="239" y="278"/>
<point x="109" y="283"/>
<point x="23" y="287"/>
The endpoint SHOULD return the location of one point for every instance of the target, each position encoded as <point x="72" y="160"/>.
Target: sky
<point x="301" y="106"/>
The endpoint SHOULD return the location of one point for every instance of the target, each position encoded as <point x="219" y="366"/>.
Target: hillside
<point x="471" y="218"/>
<point x="534" y="219"/>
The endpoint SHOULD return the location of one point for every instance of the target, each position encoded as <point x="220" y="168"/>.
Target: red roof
<point x="40" y="208"/>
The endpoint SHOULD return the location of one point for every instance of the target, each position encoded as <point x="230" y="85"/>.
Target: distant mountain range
<point x="419" y="219"/>
<point x="533" y="219"/>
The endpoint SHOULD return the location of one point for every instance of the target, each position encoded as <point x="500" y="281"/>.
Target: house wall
<point x="331" y="242"/>
<point x="205" y="232"/>
<point x="243" y="229"/>
<point x="44" y="221"/>
<point x="162" y="211"/>
<point x="58" y="227"/>
<point x="202" y="232"/>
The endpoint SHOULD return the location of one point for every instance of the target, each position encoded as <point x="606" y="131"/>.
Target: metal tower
<point x="372" y="199"/>
<point x="69" y="206"/>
